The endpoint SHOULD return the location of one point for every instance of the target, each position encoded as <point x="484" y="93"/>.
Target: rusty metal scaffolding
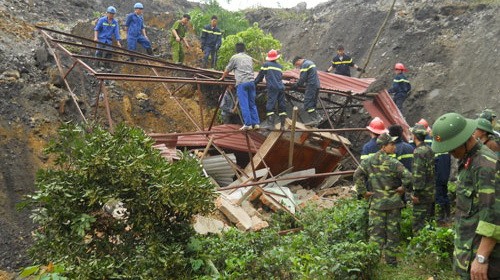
<point x="64" y="45"/>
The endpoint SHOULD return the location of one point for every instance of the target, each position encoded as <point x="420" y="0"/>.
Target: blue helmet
<point x="138" y="6"/>
<point x="111" y="10"/>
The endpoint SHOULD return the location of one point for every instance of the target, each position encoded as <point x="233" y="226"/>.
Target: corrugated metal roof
<point x="336" y="82"/>
<point x="233" y="141"/>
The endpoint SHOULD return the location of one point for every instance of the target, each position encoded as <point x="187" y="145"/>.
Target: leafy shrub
<point x="257" y="45"/>
<point x="94" y="167"/>
<point x="229" y="22"/>
<point x="432" y="245"/>
<point x="331" y="246"/>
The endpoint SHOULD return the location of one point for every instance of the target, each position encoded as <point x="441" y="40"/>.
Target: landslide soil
<point x="450" y="47"/>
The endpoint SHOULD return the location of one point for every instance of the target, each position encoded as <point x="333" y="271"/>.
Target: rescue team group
<point x="392" y="171"/>
<point x="107" y="29"/>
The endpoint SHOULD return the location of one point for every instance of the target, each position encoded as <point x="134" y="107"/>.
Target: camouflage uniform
<point x="384" y="174"/>
<point x="423" y="185"/>
<point x="478" y="209"/>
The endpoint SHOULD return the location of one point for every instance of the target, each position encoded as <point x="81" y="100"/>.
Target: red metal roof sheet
<point x="233" y="141"/>
<point x="336" y="82"/>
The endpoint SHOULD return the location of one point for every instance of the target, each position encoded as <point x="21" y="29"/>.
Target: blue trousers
<point x="310" y="98"/>
<point x="275" y="95"/>
<point x="132" y="42"/>
<point x="399" y="98"/>
<point x="99" y="53"/>
<point x="248" y="107"/>
<point x="209" y="51"/>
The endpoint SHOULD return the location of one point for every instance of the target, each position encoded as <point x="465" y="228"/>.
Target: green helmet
<point x="450" y="131"/>
<point x="419" y="129"/>
<point x="488" y="114"/>
<point x="485" y="125"/>
<point x="385" y="138"/>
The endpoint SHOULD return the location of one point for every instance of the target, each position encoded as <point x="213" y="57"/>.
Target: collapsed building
<point x="256" y="171"/>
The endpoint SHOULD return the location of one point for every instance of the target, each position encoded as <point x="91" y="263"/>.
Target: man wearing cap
<point x="105" y="29"/>
<point x="423" y="179"/>
<point x="136" y="32"/>
<point x="309" y="78"/>
<point x="178" y="36"/>
<point x="477" y="216"/>
<point x="273" y="72"/>
<point x="385" y="175"/>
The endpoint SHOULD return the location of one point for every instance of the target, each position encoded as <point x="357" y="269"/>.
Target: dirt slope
<point x="451" y="48"/>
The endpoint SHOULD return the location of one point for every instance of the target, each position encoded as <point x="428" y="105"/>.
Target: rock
<point x="142" y="96"/>
<point x="258" y="223"/>
<point x="301" y="7"/>
<point x="12" y="74"/>
<point x="204" y="225"/>
<point x="234" y="213"/>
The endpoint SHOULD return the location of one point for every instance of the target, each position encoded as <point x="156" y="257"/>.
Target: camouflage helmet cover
<point x="419" y="129"/>
<point x="385" y="139"/>
<point x="488" y="114"/>
<point x="450" y="131"/>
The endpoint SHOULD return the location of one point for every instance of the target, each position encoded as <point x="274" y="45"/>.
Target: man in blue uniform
<point x="404" y="151"/>
<point x="400" y="86"/>
<point x="273" y="71"/>
<point x="136" y="33"/>
<point x="309" y="78"/>
<point x="211" y="39"/>
<point x="376" y="127"/>
<point x="105" y="29"/>
<point x="342" y="63"/>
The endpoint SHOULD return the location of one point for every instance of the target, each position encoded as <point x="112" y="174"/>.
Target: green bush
<point x="93" y="169"/>
<point x="229" y="22"/>
<point x="433" y="246"/>
<point x="331" y="245"/>
<point x="257" y="45"/>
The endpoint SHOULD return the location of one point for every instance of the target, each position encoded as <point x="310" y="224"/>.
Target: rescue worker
<point x="211" y="40"/>
<point x="177" y="37"/>
<point x="136" y="32"/>
<point x="376" y="127"/>
<point x="484" y="133"/>
<point x="105" y="29"/>
<point x="404" y="151"/>
<point x="342" y="63"/>
<point x="242" y="64"/>
<point x="423" y="179"/>
<point x="477" y="251"/>
<point x="491" y="116"/>
<point x="400" y="86"/>
<point x="309" y="78"/>
<point x="428" y="137"/>
<point x="273" y="72"/>
<point x="385" y="174"/>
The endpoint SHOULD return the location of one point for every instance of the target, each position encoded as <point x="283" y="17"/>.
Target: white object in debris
<point x="204" y="225"/>
<point x="116" y="209"/>
<point x="288" y="201"/>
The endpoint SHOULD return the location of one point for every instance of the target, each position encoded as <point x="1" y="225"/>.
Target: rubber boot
<point x="269" y="122"/>
<point x="149" y="51"/>
<point x="282" y="122"/>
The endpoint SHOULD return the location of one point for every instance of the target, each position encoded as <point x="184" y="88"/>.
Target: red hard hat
<point x="423" y="122"/>
<point x="400" y="66"/>
<point x="272" y="55"/>
<point x="377" y="126"/>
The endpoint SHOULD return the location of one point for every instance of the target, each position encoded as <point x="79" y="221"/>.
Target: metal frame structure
<point x="61" y="44"/>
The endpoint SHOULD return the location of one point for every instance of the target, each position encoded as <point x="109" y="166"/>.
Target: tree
<point x="229" y="22"/>
<point x="257" y="45"/>
<point x="112" y="207"/>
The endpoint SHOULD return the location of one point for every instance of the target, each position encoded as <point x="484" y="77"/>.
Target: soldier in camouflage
<point x="477" y="216"/>
<point x="423" y="179"/>
<point x="385" y="174"/>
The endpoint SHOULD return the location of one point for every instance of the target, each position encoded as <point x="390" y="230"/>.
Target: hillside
<point x="450" y="47"/>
